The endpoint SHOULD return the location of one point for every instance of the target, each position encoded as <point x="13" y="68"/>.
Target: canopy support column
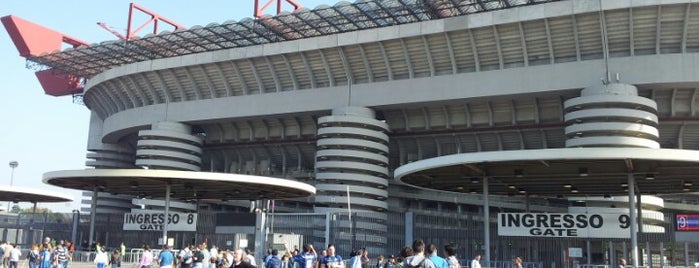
<point x="633" y="224"/>
<point x="93" y="215"/>
<point x="486" y="222"/>
<point x="167" y="212"/>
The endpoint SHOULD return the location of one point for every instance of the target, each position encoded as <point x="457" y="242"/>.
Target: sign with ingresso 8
<point x="583" y="225"/>
<point x="149" y="220"/>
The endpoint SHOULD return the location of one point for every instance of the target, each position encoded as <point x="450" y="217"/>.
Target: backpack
<point x="419" y="264"/>
<point x="187" y="258"/>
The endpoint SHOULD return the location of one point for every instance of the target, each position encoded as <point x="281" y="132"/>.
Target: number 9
<point x="682" y="222"/>
<point x="624" y="221"/>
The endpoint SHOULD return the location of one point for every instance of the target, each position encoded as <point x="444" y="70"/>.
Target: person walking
<point x="249" y="257"/>
<point x="380" y="262"/>
<point x="101" y="258"/>
<point x="622" y="263"/>
<point x="166" y="258"/>
<point x="185" y="257"/>
<point x="6" y="249"/>
<point x="450" y="255"/>
<point x="332" y="259"/>
<point x="239" y="260"/>
<point x="308" y="258"/>
<point x="391" y="262"/>
<point x="354" y="261"/>
<point x="122" y="250"/>
<point x="476" y="262"/>
<point x="198" y="257"/>
<point x="273" y="261"/>
<point x="146" y="258"/>
<point x="115" y="260"/>
<point x="14" y="256"/>
<point x="418" y="260"/>
<point x="62" y="256"/>
<point x="433" y="255"/>
<point x="365" y="258"/>
<point x="33" y="257"/>
<point x="45" y="257"/>
<point x="518" y="262"/>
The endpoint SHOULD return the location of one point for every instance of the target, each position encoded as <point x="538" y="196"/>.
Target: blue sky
<point x="45" y="133"/>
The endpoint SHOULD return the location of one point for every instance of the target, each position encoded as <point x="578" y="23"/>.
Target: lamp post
<point x="13" y="165"/>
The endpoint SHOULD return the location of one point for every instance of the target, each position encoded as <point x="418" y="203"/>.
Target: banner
<point x="149" y="220"/>
<point x="583" y="225"/>
<point x="687" y="222"/>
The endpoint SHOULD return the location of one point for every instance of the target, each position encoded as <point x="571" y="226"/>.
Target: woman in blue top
<point x="45" y="257"/>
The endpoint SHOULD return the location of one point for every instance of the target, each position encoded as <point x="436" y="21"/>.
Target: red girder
<point x="33" y="40"/>
<point x="154" y="18"/>
<point x="111" y="30"/>
<point x="259" y="12"/>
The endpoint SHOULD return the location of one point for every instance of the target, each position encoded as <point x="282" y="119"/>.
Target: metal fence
<point x="396" y="230"/>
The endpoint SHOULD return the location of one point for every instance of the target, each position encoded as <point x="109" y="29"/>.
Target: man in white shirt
<point x="6" y="255"/>
<point x="418" y="260"/>
<point x="185" y="257"/>
<point x="250" y="257"/>
<point x="14" y="256"/>
<point x="476" y="262"/>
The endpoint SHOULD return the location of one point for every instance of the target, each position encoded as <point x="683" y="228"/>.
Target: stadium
<point x="367" y="102"/>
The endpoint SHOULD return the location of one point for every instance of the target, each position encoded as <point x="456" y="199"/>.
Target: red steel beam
<point x="33" y="40"/>
<point x="259" y="12"/>
<point x="154" y="18"/>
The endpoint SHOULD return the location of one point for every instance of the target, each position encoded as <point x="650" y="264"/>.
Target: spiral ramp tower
<point x="613" y="115"/>
<point x="108" y="156"/>
<point x="169" y="145"/>
<point x="352" y="162"/>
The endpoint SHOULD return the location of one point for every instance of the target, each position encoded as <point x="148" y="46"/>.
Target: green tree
<point x="15" y="208"/>
<point x="50" y="215"/>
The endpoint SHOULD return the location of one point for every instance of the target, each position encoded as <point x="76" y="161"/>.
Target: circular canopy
<point x="22" y="194"/>
<point x="185" y="185"/>
<point x="558" y="172"/>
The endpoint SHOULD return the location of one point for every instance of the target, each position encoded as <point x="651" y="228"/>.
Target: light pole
<point x="13" y="165"/>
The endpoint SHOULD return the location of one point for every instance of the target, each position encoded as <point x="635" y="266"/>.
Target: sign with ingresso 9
<point x="150" y="220"/>
<point x="583" y="225"/>
<point x="687" y="222"/>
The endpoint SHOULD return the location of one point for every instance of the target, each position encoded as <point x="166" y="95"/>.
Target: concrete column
<point x="661" y="247"/>
<point x="686" y="254"/>
<point x="589" y="252"/>
<point x="612" y="255"/>
<point x="76" y="220"/>
<point x="486" y="222"/>
<point x="167" y="212"/>
<point x="93" y="214"/>
<point x="260" y="234"/>
<point x="633" y="222"/>
<point x="328" y="216"/>
<point x="409" y="228"/>
<point x="649" y="255"/>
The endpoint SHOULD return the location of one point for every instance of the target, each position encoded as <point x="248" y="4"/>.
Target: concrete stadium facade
<point x="344" y="110"/>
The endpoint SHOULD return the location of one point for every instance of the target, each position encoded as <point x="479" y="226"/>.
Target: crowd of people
<point x="49" y="254"/>
<point x="196" y="256"/>
<point x="419" y="255"/>
<point x="52" y="254"/>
